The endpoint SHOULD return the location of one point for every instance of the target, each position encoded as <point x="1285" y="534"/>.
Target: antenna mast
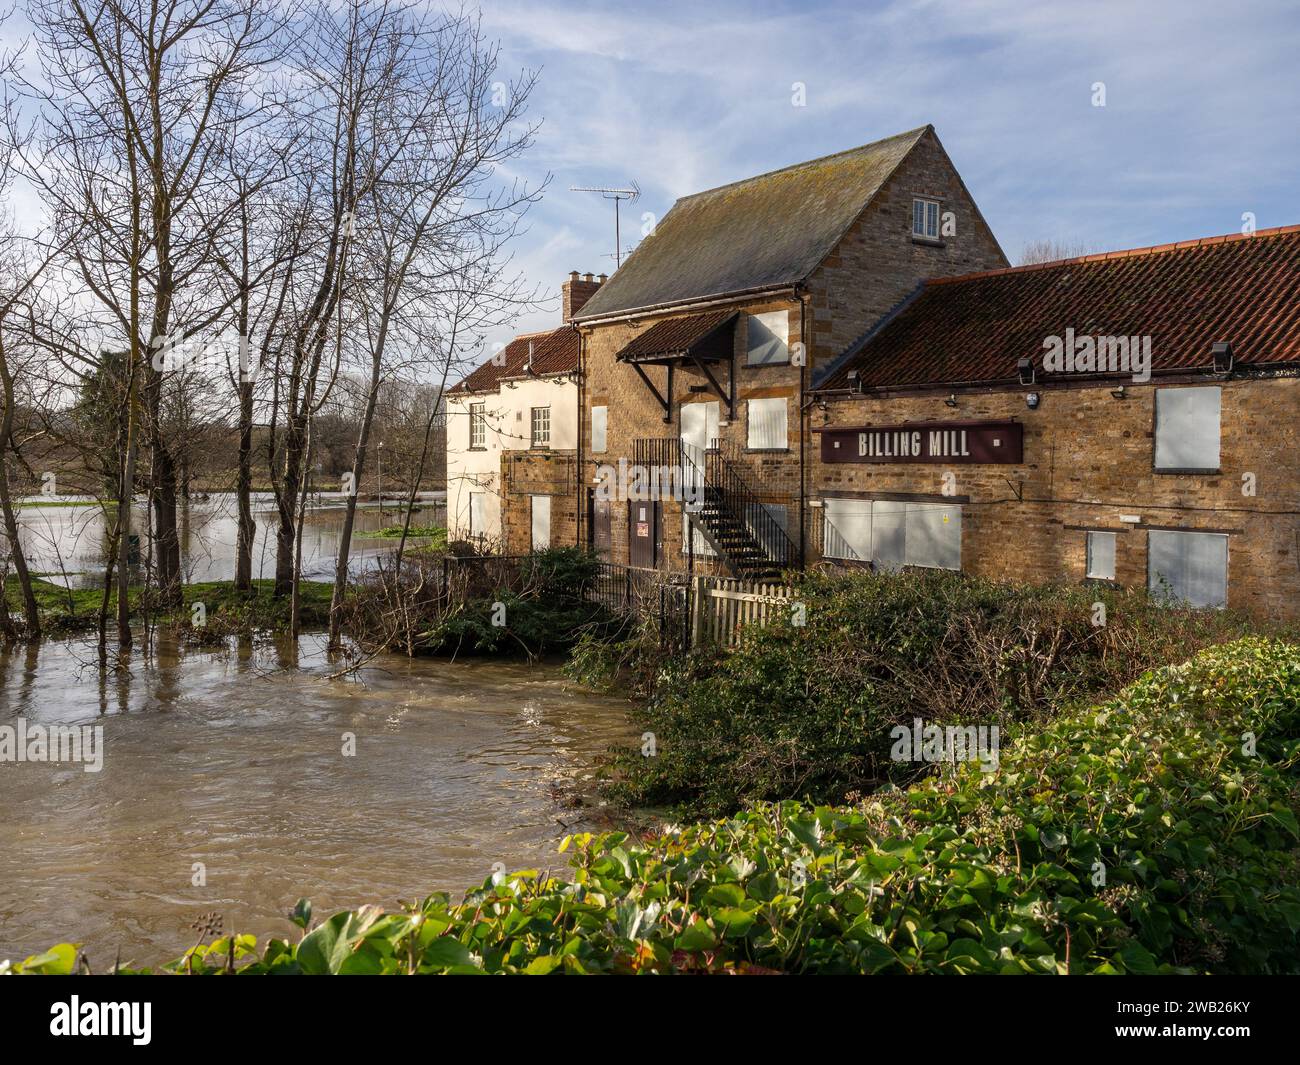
<point x="617" y="195"/>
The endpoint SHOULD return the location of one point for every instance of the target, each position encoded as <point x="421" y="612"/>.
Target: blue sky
<point x="1201" y="121"/>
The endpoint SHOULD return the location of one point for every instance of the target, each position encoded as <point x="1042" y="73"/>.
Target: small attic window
<point x="925" y="219"/>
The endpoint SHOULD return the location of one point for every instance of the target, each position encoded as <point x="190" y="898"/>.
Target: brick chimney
<point x="576" y="291"/>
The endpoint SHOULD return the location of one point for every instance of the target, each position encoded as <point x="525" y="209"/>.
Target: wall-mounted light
<point x="1222" y="352"/>
<point x="1031" y="400"/>
<point x="1119" y="393"/>
<point x="951" y="401"/>
<point x="1025" y="368"/>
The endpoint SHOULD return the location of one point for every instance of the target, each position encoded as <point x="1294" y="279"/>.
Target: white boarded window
<point x="1101" y="555"/>
<point x="846" y="529"/>
<point x="889" y="534"/>
<point x="1188" y="567"/>
<point x="933" y="536"/>
<point x="925" y="219"/>
<point x="771" y="528"/>
<point x="893" y="533"/>
<point x="701" y="546"/>
<point x="768" y="338"/>
<point x="541" y="522"/>
<point x="767" y="424"/>
<point x="1187" y="428"/>
<point x="599" y="427"/>
<point x="477" y="516"/>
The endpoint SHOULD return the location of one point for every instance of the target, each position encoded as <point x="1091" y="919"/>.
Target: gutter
<point x="739" y="295"/>
<point x="1241" y="372"/>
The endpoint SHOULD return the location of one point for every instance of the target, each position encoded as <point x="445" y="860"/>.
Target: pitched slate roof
<point x="1186" y="296"/>
<point x="765" y="231"/>
<point x="680" y="336"/>
<point x="555" y="352"/>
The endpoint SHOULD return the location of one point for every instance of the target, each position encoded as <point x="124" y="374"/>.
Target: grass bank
<point x="425" y="537"/>
<point x="70" y="611"/>
<point x="1155" y="832"/>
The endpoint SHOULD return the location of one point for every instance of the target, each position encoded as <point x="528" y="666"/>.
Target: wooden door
<point x="643" y="533"/>
<point x="599" y="524"/>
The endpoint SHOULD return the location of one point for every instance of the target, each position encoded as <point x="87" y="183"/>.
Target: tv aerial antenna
<point x="618" y="196"/>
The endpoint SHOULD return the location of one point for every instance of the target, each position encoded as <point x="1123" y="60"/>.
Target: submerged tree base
<point x="225" y="610"/>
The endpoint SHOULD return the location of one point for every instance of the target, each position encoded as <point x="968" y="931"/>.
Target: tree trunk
<point x="286" y="505"/>
<point x="247" y="527"/>
<point x="31" y="616"/>
<point x="350" y="514"/>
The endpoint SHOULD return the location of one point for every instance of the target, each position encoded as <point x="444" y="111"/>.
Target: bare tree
<point x="1050" y="251"/>
<point x="137" y="101"/>
<point x="439" y="217"/>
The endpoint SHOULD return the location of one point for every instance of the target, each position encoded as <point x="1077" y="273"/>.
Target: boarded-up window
<point x="1187" y="428"/>
<point x="768" y="338"/>
<point x="767" y="424"/>
<point x="933" y="536"/>
<point x="477" y="516"/>
<point x="1188" y="567"/>
<point x="889" y="534"/>
<point x="541" y="522"/>
<point x="769" y="525"/>
<point x="846" y="529"/>
<point x="701" y="545"/>
<point x="1101" y="555"/>
<point x="893" y="533"/>
<point x="599" y="425"/>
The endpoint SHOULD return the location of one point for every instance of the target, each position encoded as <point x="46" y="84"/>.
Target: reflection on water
<point x="234" y="760"/>
<point x="72" y="540"/>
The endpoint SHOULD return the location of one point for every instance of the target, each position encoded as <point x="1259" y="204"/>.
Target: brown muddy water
<point x="235" y="760"/>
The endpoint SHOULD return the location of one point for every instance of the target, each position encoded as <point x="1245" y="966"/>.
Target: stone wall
<point x="1088" y="458"/>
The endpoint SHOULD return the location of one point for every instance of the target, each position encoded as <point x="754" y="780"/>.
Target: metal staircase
<point x="728" y="514"/>
<point x="732" y="520"/>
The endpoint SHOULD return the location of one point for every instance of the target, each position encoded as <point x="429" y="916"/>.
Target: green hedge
<point x="805" y="711"/>
<point x="1157" y="789"/>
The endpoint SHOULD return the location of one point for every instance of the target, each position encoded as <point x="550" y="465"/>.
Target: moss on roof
<point x="764" y="231"/>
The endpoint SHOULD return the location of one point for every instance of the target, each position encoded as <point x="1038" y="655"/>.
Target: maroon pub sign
<point x="947" y="442"/>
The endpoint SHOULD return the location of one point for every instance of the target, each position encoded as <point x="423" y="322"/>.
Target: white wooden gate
<point x="722" y="606"/>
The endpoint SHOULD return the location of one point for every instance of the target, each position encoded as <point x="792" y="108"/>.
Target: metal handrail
<point x="717" y="471"/>
<point x="735" y="495"/>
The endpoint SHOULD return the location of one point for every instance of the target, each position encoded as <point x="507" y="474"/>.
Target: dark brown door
<point x="643" y="533"/>
<point x="598" y="522"/>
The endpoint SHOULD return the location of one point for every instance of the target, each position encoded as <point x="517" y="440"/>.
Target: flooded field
<point x="66" y="544"/>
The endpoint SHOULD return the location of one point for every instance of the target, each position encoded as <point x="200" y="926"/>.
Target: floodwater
<point x="66" y="544"/>
<point x="225" y="787"/>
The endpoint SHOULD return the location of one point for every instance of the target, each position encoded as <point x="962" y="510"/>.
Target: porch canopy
<point x="700" y="339"/>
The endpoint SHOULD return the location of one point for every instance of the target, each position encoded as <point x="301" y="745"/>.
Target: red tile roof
<point x="1185" y="296"/>
<point x="680" y="336"/>
<point x="555" y="352"/>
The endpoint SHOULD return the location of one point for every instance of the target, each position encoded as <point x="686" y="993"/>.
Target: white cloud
<point x="1199" y="123"/>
